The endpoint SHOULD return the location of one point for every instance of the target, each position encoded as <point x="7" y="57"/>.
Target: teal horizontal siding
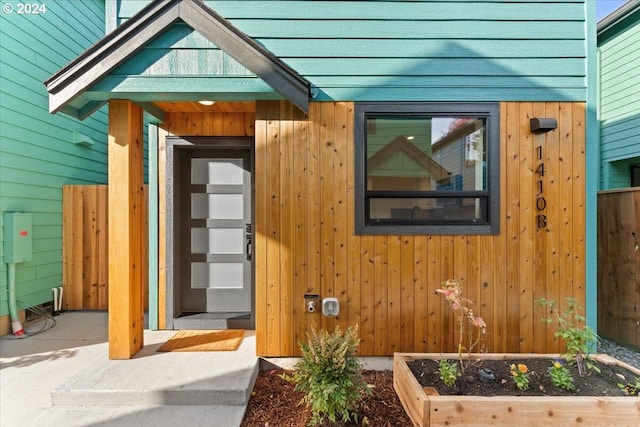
<point x="401" y="9"/>
<point x="397" y="49"/>
<point x="620" y="139"/>
<point x="426" y="48"/>
<point x="619" y="62"/>
<point x="413" y="29"/>
<point x="37" y="153"/>
<point x="398" y="10"/>
<point x="443" y="67"/>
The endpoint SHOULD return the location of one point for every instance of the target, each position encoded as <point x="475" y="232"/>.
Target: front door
<point x="214" y="281"/>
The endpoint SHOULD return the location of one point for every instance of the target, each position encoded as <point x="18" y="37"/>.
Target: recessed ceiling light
<point x="207" y="102"/>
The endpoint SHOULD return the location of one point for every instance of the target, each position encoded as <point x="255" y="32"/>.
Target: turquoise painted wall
<point x="619" y="104"/>
<point x="416" y="51"/>
<point x="37" y="150"/>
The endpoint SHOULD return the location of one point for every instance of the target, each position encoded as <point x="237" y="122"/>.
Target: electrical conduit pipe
<point x="16" y="325"/>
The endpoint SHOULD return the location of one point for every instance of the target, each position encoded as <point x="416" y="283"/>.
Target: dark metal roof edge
<point x="617" y="15"/>
<point x="109" y="43"/>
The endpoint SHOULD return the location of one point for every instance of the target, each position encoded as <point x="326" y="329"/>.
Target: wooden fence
<point x="85" y="255"/>
<point x="619" y="266"/>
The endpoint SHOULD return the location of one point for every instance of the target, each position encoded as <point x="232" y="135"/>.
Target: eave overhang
<point x="97" y="62"/>
<point x="626" y="15"/>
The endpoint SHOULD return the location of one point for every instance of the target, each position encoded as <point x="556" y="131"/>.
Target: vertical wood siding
<point x="37" y="153"/>
<point x="209" y="124"/>
<point x="386" y="284"/>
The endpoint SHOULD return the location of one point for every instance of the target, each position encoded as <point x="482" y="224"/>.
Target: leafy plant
<point x="560" y="376"/>
<point x="463" y="312"/>
<point x="448" y="372"/>
<point x="520" y="375"/>
<point x="330" y="376"/>
<point x="630" y="388"/>
<point x="579" y="338"/>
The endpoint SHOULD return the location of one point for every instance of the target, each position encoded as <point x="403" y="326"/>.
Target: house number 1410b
<point x="541" y="202"/>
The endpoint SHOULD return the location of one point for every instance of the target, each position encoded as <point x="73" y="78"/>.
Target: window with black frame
<point x="427" y="168"/>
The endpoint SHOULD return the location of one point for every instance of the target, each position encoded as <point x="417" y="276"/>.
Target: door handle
<point x="249" y="247"/>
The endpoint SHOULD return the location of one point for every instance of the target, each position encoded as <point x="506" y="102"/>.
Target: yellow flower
<point x="557" y="364"/>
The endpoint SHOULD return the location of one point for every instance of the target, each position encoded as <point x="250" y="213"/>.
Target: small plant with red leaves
<point x="464" y="315"/>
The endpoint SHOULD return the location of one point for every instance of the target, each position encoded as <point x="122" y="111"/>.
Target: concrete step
<point x="155" y="379"/>
<point x="122" y="385"/>
<point x="139" y="416"/>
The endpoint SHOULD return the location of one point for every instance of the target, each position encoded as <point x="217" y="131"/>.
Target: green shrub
<point x="561" y="377"/>
<point x="449" y="373"/>
<point x="330" y="376"/>
<point x="579" y="338"/>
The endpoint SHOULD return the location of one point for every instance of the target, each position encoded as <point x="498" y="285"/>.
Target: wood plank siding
<point x="39" y="152"/>
<point x="304" y="208"/>
<point x="387" y="283"/>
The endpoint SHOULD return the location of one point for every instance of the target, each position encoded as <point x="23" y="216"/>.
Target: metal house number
<point x="541" y="202"/>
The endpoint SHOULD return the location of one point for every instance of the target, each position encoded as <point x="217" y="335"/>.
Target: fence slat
<point x="618" y="266"/>
<point x="85" y="227"/>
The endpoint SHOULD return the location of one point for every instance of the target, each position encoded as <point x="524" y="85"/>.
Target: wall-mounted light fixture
<point x="82" y="140"/>
<point x="206" y="102"/>
<point x="543" y="124"/>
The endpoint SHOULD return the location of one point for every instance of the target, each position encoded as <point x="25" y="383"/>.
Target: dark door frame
<point x="175" y="146"/>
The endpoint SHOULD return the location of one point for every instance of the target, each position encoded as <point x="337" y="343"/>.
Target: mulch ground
<point x="274" y="403"/>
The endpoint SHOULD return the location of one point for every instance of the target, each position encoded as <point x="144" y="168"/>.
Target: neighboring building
<point x="619" y="101"/>
<point x="362" y="151"/>
<point x="40" y="152"/>
<point x="618" y="267"/>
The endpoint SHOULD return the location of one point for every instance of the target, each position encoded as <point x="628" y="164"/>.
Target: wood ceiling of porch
<point x="218" y="107"/>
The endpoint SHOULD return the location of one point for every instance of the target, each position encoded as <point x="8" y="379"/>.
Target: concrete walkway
<point x="63" y="377"/>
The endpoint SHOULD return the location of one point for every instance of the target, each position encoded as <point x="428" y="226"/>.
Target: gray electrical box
<point x="18" y="246"/>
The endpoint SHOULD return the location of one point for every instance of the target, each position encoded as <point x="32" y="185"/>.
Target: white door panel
<point x="226" y="239"/>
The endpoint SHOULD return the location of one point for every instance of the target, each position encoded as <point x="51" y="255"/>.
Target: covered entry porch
<point x="150" y="99"/>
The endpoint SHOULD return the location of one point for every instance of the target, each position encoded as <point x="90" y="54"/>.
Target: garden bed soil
<point x="274" y="403"/>
<point x="472" y="383"/>
<point x="597" y="400"/>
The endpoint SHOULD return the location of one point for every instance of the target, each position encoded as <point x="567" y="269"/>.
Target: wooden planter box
<point x="427" y="408"/>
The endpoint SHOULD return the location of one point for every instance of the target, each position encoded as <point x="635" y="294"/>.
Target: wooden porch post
<point x="126" y="306"/>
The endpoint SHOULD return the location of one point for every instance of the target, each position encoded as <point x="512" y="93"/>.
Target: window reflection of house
<point x="462" y="151"/>
<point x="423" y="175"/>
<point x="402" y="166"/>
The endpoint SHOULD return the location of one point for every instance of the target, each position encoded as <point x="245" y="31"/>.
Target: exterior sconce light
<point x="540" y="124"/>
